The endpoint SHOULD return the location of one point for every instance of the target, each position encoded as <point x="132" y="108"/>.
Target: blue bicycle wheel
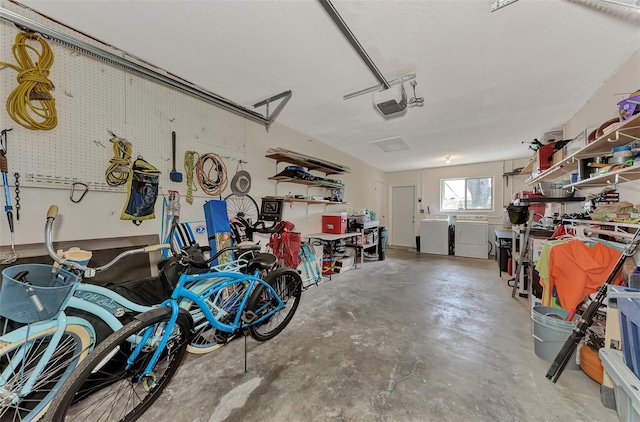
<point x="19" y="360"/>
<point x="106" y="387"/>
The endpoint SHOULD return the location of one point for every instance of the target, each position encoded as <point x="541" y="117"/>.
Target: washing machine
<point x="472" y="236"/>
<point x="434" y="234"/>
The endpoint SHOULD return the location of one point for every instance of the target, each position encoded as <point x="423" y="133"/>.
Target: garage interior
<point x="458" y="181"/>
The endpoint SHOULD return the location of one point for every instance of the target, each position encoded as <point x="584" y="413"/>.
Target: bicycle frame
<point x="102" y="303"/>
<point x="181" y="293"/>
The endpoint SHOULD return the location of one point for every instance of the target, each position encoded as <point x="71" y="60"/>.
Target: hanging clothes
<point x="577" y="270"/>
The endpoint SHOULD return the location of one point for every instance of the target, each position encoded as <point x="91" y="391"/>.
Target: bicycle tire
<point x="288" y="285"/>
<point x="76" y="340"/>
<point x="242" y="206"/>
<point x="98" y="376"/>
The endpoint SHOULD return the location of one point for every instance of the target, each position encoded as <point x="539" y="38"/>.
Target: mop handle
<point x="7" y="197"/>
<point x="7" y="208"/>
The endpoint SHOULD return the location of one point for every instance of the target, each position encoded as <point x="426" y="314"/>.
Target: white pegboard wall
<point x="93" y="96"/>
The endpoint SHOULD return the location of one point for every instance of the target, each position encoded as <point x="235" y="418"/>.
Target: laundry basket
<point x="37" y="300"/>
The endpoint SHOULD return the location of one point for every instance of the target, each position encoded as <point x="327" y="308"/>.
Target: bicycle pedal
<point x="248" y="317"/>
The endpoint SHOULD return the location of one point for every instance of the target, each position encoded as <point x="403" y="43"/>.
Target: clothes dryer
<point x="472" y="236"/>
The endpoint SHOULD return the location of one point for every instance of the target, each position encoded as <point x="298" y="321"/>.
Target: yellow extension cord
<point x="189" y="167"/>
<point x="31" y="104"/>
<point x="118" y="171"/>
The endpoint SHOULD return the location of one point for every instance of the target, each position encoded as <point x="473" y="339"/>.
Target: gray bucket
<point x="550" y="334"/>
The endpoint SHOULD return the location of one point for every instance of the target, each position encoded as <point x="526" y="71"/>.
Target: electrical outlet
<point x="421" y="211"/>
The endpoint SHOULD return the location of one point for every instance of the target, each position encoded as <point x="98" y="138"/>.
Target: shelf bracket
<point x="622" y="132"/>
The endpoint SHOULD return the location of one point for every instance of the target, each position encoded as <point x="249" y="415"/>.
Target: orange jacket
<point x="577" y="270"/>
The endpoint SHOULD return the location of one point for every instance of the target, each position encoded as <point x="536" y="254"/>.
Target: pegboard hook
<point x="73" y="190"/>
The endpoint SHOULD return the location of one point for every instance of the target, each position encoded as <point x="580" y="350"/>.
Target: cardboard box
<point x="334" y="223"/>
<point x="343" y="264"/>
<point x="537" y="243"/>
<point x="558" y="156"/>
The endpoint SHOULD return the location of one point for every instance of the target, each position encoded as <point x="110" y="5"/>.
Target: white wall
<point x="97" y="216"/>
<point x="601" y="107"/>
<point x="427" y="182"/>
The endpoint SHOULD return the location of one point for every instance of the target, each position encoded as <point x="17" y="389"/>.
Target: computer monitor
<point x="271" y="209"/>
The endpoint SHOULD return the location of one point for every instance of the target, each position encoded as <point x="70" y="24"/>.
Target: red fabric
<point x="286" y="245"/>
<point x="560" y="231"/>
<point x="577" y="270"/>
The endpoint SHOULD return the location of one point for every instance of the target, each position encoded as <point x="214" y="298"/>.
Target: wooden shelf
<point x="314" y="201"/>
<point x="529" y="167"/>
<point x="298" y="181"/>
<point x="304" y="163"/>
<point x="601" y="146"/>
<point x="547" y="200"/>
<point x="303" y="182"/>
<point x="616" y="138"/>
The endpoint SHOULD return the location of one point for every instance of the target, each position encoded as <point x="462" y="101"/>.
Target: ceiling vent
<point x="390" y="144"/>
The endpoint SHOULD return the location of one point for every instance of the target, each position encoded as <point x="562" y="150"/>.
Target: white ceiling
<point x="490" y="80"/>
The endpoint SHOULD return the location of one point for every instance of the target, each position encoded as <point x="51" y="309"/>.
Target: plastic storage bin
<point x="629" y="310"/>
<point x="40" y="299"/>
<point x="626" y="385"/>
<point x="334" y="223"/>
<point x="550" y="332"/>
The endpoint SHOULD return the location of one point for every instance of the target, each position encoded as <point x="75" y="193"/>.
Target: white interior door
<point x="403" y="199"/>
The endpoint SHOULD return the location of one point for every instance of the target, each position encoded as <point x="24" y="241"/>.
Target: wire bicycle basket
<point x="35" y="296"/>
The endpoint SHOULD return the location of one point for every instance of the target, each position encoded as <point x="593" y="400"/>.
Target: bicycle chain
<point x="17" y="176"/>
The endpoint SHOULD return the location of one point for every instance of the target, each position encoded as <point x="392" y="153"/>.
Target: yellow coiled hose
<point x="31" y="104"/>
<point x="119" y="166"/>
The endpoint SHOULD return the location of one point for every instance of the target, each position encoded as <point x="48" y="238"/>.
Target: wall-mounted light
<point x="448" y="158"/>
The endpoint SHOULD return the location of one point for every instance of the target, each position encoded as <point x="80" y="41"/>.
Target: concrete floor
<point x="413" y="338"/>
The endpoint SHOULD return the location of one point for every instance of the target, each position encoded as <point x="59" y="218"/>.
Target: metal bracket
<point x="374" y="88"/>
<point x="622" y="132"/>
<point x="286" y="95"/>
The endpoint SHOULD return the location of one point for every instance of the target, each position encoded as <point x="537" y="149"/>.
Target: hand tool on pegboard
<point x="174" y="176"/>
<point x="7" y="258"/>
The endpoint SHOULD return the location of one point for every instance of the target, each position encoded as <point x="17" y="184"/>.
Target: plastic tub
<point x="550" y="332"/>
<point x="629" y="311"/>
<point x="626" y="385"/>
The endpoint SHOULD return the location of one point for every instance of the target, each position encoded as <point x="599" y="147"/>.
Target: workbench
<point x="332" y="238"/>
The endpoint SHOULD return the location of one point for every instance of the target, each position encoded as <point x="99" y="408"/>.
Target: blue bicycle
<point x="51" y="320"/>
<point x="127" y="372"/>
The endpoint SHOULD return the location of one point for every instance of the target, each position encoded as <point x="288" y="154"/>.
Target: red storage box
<point x="334" y="223"/>
<point x="544" y="156"/>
